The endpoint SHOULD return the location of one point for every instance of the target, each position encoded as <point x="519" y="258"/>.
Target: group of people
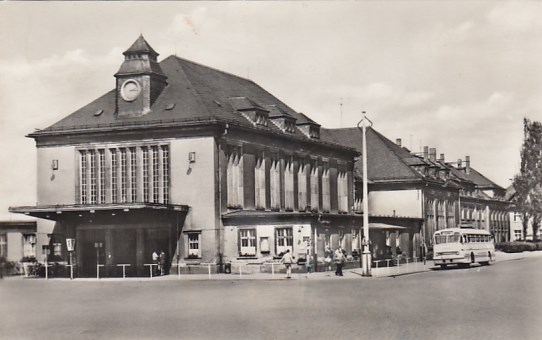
<point x="339" y="258"/>
<point x="160" y="261"/>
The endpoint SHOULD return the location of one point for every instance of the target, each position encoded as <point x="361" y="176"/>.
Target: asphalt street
<point x="501" y="301"/>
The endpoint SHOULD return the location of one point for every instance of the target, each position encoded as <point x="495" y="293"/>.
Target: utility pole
<point x="366" y="256"/>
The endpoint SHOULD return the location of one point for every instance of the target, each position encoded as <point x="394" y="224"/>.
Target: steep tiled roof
<point x="386" y="160"/>
<point x="195" y="93"/>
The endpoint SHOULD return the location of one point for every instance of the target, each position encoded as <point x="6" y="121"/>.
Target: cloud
<point x="516" y="16"/>
<point x="190" y="23"/>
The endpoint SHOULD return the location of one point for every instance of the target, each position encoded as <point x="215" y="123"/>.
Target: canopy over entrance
<point x="55" y="212"/>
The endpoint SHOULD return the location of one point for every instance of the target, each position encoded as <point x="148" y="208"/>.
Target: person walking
<point x="287" y="259"/>
<point x="339" y="261"/>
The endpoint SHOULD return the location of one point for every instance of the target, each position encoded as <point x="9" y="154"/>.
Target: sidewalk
<point x="382" y="271"/>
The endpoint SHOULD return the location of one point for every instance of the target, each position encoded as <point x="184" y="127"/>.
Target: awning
<point x="54" y="212"/>
<point x="385" y="227"/>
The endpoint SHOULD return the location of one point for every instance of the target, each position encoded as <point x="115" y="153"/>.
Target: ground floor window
<point x="517" y="234"/>
<point x="284" y="240"/>
<point x="194" y="248"/>
<point x="247" y="244"/>
<point x="29" y="245"/>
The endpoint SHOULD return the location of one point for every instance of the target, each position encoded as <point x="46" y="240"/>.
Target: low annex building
<point x="195" y="162"/>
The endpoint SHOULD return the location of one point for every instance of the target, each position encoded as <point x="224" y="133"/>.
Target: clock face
<point x="130" y="90"/>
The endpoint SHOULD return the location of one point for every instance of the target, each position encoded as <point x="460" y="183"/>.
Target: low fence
<point x="383" y="267"/>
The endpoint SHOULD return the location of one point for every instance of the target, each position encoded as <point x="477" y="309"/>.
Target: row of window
<point x="247" y="242"/>
<point x="308" y="175"/>
<point x="124" y="174"/>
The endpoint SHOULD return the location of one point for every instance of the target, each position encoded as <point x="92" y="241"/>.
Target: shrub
<point x="516" y="247"/>
<point x="29" y="259"/>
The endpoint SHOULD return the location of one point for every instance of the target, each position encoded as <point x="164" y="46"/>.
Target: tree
<point x="528" y="182"/>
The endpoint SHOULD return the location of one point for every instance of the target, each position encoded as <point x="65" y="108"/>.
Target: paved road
<point x="501" y="301"/>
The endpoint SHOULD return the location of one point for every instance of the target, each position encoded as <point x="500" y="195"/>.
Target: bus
<point x="463" y="246"/>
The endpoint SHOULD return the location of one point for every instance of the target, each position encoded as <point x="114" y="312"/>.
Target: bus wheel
<point x="471" y="257"/>
<point x="443" y="266"/>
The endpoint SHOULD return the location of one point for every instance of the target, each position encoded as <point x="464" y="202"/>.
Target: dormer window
<point x="261" y="118"/>
<point x="253" y="112"/>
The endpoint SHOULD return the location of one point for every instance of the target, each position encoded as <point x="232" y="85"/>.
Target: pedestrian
<point x="156" y="262"/>
<point x="2" y="266"/>
<point x="328" y="258"/>
<point x="163" y="261"/>
<point x="287" y="259"/>
<point x="339" y="261"/>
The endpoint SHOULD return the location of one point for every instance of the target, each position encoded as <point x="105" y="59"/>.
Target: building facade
<point x="202" y="165"/>
<point x="419" y="194"/>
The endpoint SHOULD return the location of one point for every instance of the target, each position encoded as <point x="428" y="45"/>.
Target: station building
<point x="203" y="165"/>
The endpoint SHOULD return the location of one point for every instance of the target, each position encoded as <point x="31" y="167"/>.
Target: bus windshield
<point x="449" y="238"/>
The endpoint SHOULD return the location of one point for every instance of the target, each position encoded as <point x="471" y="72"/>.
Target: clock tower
<point x="140" y="80"/>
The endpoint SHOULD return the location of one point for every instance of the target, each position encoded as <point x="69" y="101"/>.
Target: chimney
<point x="398" y="141"/>
<point x="425" y="152"/>
<point x="433" y="154"/>
<point x="442" y="158"/>
<point x="459" y="164"/>
<point x="467" y="164"/>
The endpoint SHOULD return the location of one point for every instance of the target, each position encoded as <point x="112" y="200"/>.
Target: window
<point x="326" y="197"/>
<point x="315" y="192"/>
<point x="155" y="175"/>
<point x="114" y="177"/>
<point x="274" y="183"/>
<point x="83" y="179"/>
<point x="130" y="178"/>
<point x="123" y="176"/>
<point x="518" y="234"/>
<point x="145" y="156"/>
<point x="165" y="173"/>
<point x="289" y="185"/>
<point x="302" y="187"/>
<point x="284" y="240"/>
<point x="3" y="245"/>
<point x="194" y="250"/>
<point x="29" y="245"/>
<point x="247" y="242"/>
<point x="101" y="165"/>
<point x="93" y="184"/>
<point x="259" y="182"/>
<point x="235" y="178"/>
<point x="133" y="175"/>
<point x="342" y="191"/>
<point x="57" y="249"/>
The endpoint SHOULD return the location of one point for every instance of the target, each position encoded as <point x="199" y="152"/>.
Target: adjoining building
<point x="420" y="194"/>
<point x="18" y="239"/>
<point x="195" y="162"/>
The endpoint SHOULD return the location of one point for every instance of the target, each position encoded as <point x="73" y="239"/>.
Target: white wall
<point x="56" y="187"/>
<point x="404" y="203"/>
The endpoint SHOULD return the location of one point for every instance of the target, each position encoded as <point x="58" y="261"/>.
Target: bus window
<point x="440" y="239"/>
<point x="454" y="238"/>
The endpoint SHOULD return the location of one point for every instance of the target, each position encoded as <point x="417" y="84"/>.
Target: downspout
<point x="219" y="178"/>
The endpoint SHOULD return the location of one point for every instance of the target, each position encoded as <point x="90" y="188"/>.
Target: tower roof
<point x="141" y="46"/>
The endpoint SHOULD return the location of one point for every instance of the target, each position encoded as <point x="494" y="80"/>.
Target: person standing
<point x="155" y="261"/>
<point x="163" y="261"/>
<point x="339" y="261"/>
<point x="287" y="259"/>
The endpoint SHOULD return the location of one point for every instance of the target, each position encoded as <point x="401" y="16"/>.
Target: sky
<point x="458" y="76"/>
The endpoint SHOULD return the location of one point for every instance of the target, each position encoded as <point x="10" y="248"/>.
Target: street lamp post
<point x="366" y="256"/>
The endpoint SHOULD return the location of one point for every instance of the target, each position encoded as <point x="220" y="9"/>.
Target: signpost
<point x="98" y="245"/>
<point x="70" y="244"/>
